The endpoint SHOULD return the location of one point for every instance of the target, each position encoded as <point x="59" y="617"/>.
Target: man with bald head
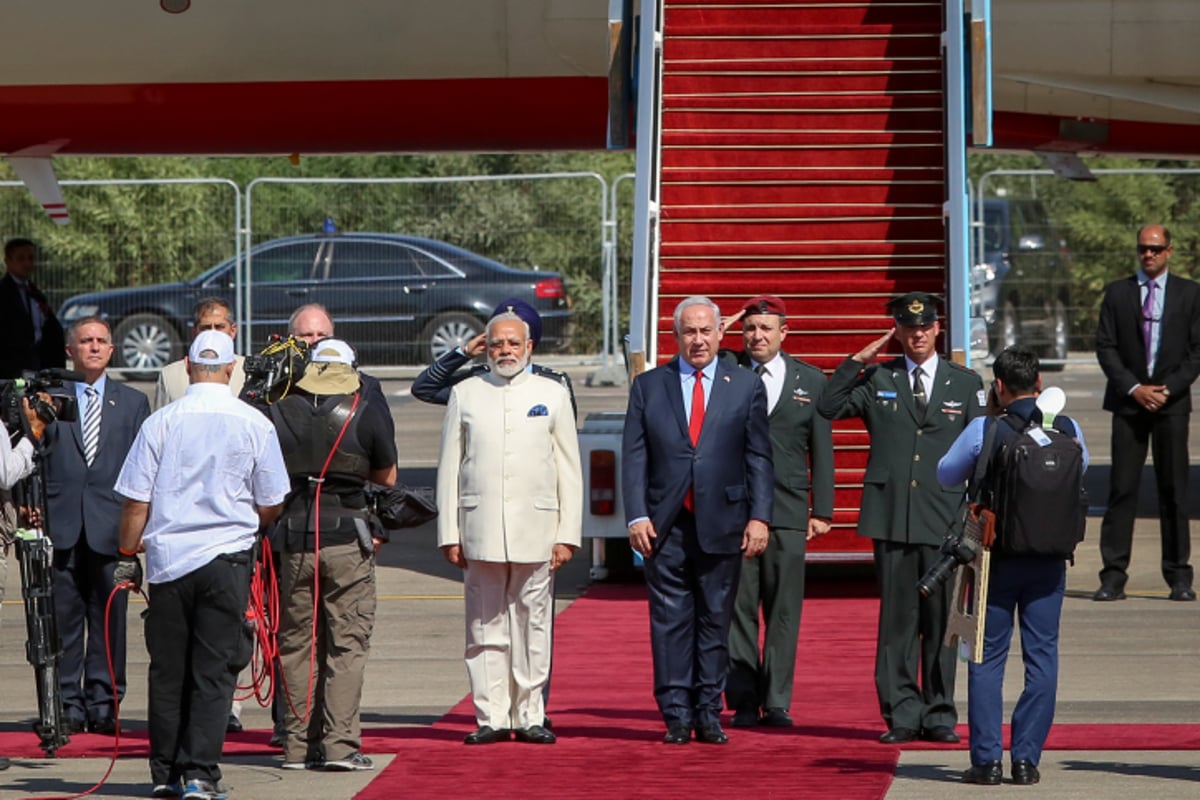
<point x="1148" y="344"/>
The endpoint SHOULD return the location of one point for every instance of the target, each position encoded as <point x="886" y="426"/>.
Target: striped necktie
<point x="91" y="425"/>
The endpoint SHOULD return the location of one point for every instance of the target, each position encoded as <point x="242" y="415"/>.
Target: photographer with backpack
<point x="1030" y="476"/>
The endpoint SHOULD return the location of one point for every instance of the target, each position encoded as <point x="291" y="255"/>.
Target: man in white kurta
<point x="510" y="498"/>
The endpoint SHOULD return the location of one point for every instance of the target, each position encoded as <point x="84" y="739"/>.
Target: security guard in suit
<point x="914" y="407"/>
<point x="759" y="687"/>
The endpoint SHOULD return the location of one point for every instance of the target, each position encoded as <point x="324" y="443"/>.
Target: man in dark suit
<point x="914" y="407"/>
<point x="32" y="334"/>
<point x="697" y="482"/>
<point x="759" y="688"/>
<point x="1148" y="344"/>
<point x="82" y="463"/>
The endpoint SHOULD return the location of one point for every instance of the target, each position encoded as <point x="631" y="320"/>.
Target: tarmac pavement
<point x="1133" y="661"/>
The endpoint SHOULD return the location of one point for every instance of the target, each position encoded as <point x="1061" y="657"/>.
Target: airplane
<point x="228" y="77"/>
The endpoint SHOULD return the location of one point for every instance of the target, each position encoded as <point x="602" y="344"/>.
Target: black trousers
<point x="1167" y="439"/>
<point x="691" y="605"/>
<point x="914" y="671"/>
<point x="774" y="582"/>
<point x="82" y="585"/>
<point x="198" y="643"/>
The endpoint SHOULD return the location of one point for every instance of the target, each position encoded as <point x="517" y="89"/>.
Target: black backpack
<point x="1033" y="482"/>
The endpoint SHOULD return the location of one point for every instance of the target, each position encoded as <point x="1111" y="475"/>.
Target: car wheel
<point x="145" y="341"/>
<point x="1060" y="331"/>
<point x="448" y="331"/>
<point x="1010" y="328"/>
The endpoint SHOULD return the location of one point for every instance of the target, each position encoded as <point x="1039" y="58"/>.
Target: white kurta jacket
<point x="509" y="484"/>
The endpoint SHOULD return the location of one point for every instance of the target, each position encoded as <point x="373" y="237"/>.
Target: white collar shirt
<point x="204" y="463"/>
<point x="773" y="373"/>
<point x="927" y="371"/>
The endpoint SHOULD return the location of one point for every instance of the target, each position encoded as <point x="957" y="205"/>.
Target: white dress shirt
<point x="927" y="370"/>
<point x="204" y="463"/>
<point x="15" y="462"/>
<point x="773" y="374"/>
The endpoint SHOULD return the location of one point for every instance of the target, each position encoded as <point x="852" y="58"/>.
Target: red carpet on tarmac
<point x="610" y="731"/>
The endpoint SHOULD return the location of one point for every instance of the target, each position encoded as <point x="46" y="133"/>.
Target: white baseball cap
<point x="211" y="347"/>
<point x="332" y="351"/>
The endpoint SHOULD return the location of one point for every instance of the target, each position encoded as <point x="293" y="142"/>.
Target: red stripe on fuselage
<point x="484" y="114"/>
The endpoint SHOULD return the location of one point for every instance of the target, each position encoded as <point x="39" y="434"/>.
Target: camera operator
<point x="16" y="463"/>
<point x="1030" y="585"/>
<point x="334" y="440"/>
<point x="312" y="323"/>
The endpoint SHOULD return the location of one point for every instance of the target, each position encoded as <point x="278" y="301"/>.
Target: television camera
<point x="272" y="373"/>
<point x="45" y="395"/>
<point x="36" y="387"/>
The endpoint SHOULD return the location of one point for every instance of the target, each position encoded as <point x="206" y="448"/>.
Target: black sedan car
<point x="397" y="299"/>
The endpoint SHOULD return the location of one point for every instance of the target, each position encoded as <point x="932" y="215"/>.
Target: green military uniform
<point x="908" y="514"/>
<point x="775" y="579"/>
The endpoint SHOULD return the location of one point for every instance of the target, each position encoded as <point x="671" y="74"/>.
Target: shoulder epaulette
<point x="552" y="374"/>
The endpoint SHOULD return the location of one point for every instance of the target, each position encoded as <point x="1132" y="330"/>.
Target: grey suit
<point x="83" y="517"/>
<point x="800" y="439"/>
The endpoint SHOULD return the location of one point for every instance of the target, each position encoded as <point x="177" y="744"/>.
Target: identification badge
<point x="883" y="394"/>
<point x="1039" y="436"/>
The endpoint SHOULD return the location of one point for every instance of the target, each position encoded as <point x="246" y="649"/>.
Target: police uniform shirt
<point x="204" y="463"/>
<point x="958" y="465"/>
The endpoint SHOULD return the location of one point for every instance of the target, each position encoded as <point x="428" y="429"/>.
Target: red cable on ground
<point x="112" y="676"/>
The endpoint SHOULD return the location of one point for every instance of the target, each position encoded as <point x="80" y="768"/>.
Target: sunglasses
<point x="1152" y="248"/>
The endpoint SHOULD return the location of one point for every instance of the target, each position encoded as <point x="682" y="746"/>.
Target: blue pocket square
<point x="538" y="411"/>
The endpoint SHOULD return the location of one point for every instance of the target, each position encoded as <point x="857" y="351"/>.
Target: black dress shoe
<point x="546" y="723"/>
<point x="988" y="774"/>
<point x="678" y="734"/>
<point x="74" y="725"/>
<point x="105" y="726"/>
<point x="1025" y="773"/>
<point x="535" y="734"/>
<point x="233" y="725"/>
<point x="711" y="734"/>
<point x="485" y="735"/>
<point x="1183" y="593"/>
<point x="745" y="718"/>
<point x="777" y="718"/>
<point x="943" y="734"/>
<point x="899" y="736"/>
<point x="1108" y="593"/>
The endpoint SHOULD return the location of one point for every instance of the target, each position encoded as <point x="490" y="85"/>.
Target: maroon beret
<point x="765" y="304"/>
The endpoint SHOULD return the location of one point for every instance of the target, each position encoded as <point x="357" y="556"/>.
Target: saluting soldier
<point x="914" y="407"/>
<point x="759" y="687"/>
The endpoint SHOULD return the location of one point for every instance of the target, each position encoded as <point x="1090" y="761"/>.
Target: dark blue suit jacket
<point x="730" y="467"/>
<point x="80" y="500"/>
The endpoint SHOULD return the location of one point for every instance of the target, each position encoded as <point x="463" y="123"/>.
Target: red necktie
<point x="694" y="425"/>
<point x="697" y="420"/>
